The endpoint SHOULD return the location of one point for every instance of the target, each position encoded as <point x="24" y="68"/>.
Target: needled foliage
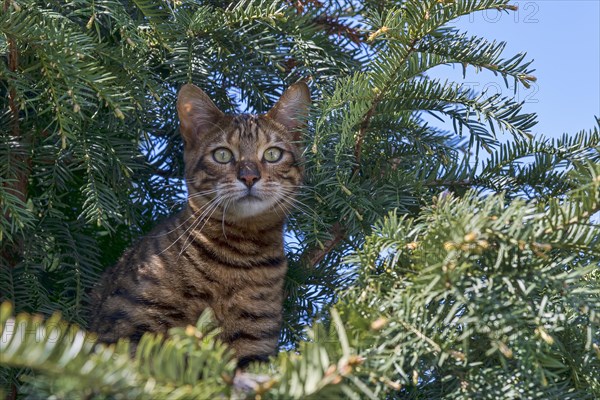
<point x="459" y="262"/>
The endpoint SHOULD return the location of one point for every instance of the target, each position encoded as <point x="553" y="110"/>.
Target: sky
<point x="563" y="39"/>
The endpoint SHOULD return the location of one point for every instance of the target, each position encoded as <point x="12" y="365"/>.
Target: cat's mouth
<point x="249" y="197"/>
<point x="250" y="194"/>
<point x="249" y="204"/>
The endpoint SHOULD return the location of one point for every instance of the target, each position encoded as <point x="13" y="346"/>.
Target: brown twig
<point x="315" y="256"/>
<point x="438" y="182"/>
<point x="299" y="5"/>
<point x="362" y="131"/>
<point x="366" y="122"/>
<point x="13" y="392"/>
<point x="330" y="24"/>
<point x="13" y="62"/>
<point x="18" y="185"/>
<point x="333" y="26"/>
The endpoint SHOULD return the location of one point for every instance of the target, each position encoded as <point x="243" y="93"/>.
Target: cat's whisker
<point x="177" y="203"/>
<point x="281" y="207"/>
<point x="301" y="188"/>
<point x="223" y="217"/>
<point x="203" y="191"/>
<point x="193" y="196"/>
<point x="296" y="190"/>
<point x="178" y="226"/>
<point x="294" y="203"/>
<point x="202" y="194"/>
<point x="209" y="208"/>
<point x="192" y="225"/>
<point x="192" y="180"/>
<point x="190" y="231"/>
<point x="292" y="195"/>
<point x="206" y="217"/>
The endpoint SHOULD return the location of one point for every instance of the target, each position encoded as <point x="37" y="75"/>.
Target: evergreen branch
<point x="315" y="256"/>
<point x="380" y="93"/>
<point x="552" y="161"/>
<point x="454" y="284"/>
<point x="333" y="25"/>
<point x="16" y="217"/>
<point x="423" y="19"/>
<point x="433" y="95"/>
<point x="13" y="63"/>
<point x="478" y="52"/>
<point x="464" y="183"/>
<point x="67" y="357"/>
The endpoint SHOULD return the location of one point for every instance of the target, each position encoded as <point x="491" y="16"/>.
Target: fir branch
<point x="479" y="53"/>
<point x="13" y="62"/>
<point x="333" y="26"/>
<point x="381" y="93"/>
<point x="317" y="255"/>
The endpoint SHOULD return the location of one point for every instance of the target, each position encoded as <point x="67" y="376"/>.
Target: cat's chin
<point x="249" y="206"/>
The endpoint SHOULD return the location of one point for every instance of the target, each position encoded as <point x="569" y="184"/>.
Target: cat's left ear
<point x="197" y="113"/>
<point x="291" y="110"/>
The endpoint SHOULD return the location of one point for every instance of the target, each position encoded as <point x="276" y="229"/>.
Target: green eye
<point x="222" y="155"/>
<point x="273" y="154"/>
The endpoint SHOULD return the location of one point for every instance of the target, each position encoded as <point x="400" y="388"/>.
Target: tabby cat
<point x="225" y="249"/>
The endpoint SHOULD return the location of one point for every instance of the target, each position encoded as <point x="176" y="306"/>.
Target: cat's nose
<point x="248" y="173"/>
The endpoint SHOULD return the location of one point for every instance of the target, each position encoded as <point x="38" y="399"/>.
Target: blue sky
<point x="563" y="39"/>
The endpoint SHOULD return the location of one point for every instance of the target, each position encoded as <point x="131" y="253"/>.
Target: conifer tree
<point x="424" y="263"/>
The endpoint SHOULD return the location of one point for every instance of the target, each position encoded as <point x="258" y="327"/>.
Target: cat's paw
<point x="245" y="382"/>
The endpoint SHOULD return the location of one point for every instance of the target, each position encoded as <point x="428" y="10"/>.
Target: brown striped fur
<point x="225" y="249"/>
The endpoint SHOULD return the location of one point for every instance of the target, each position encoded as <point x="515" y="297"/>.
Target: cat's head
<point x="246" y="165"/>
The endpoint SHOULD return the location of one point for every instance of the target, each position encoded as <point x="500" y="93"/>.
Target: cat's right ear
<point x="197" y="113"/>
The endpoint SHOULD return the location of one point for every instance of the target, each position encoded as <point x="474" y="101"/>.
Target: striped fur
<point x="225" y="249"/>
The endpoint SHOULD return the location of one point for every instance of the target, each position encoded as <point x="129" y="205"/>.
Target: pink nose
<point x="248" y="173"/>
<point x="249" y="179"/>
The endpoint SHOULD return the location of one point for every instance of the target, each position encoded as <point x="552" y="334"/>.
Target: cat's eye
<point x="222" y="155"/>
<point x="273" y="154"/>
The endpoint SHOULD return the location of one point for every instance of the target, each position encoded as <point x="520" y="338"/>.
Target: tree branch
<point x="315" y="256"/>
<point x="13" y="61"/>
<point x="333" y="26"/>
<point x="19" y="185"/>
<point x="438" y="182"/>
<point x="364" y="125"/>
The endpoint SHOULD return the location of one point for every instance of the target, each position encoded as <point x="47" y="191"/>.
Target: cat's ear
<point x="291" y="110"/>
<point x="197" y="113"/>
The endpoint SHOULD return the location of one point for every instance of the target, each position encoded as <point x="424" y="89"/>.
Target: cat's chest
<point x="227" y="281"/>
<point x="241" y="290"/>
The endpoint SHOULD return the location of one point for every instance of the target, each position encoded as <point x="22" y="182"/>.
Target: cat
<point x="225" y="249"/>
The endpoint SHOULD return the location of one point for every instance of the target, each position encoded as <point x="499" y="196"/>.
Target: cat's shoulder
<point x="142" y="249"/>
